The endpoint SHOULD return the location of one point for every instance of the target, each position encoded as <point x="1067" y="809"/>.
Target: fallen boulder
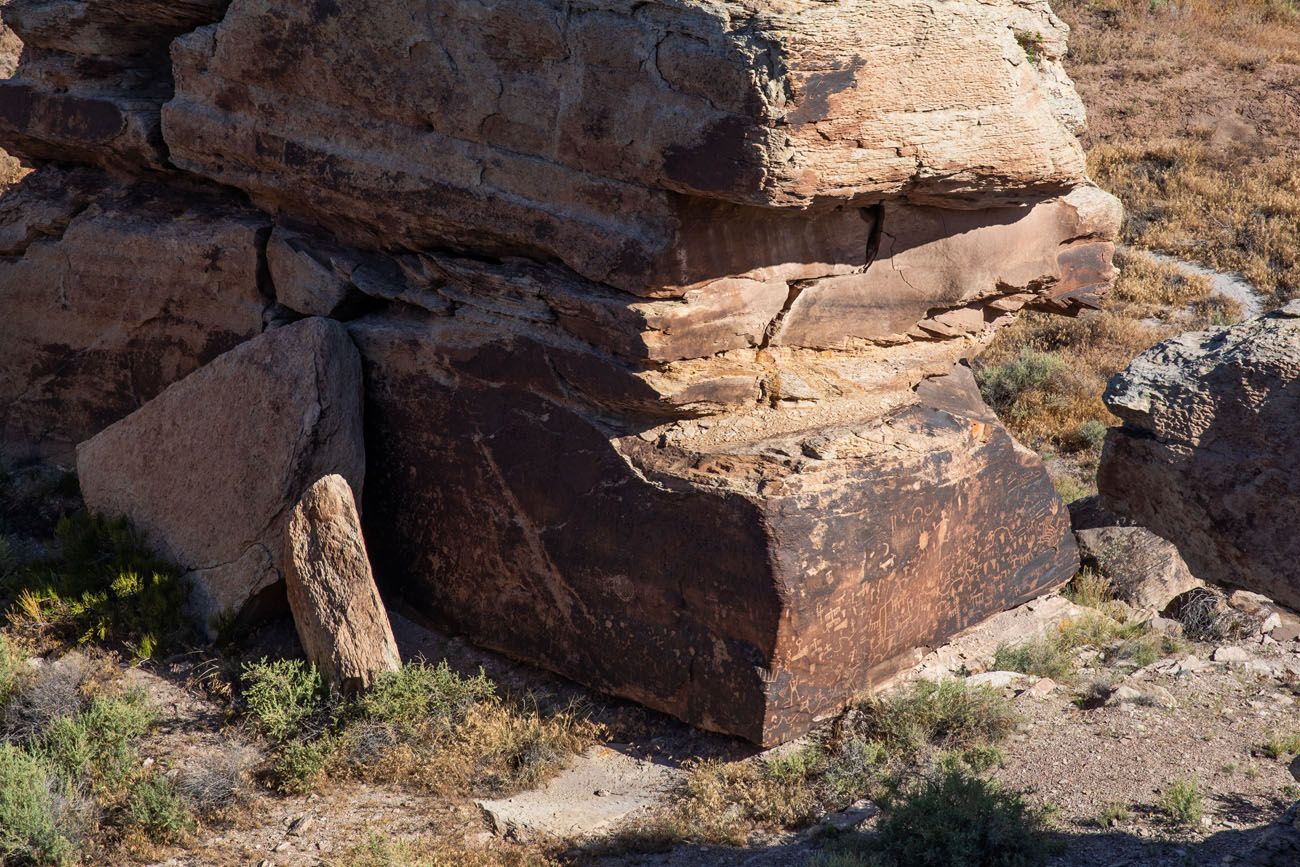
<point x="1207" y="453"/>
<point x="1145" y="570"/>
<point x="336" y="606"/>
<point x="211" y="468"/>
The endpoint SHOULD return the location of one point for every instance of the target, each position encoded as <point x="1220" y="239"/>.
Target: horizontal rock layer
<point x="641" y="143"/>
<point x="111" y="292"/>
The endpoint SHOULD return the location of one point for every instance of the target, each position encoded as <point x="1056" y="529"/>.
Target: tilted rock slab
<point x="211" y="468"/>
<point x="662" y="306"/>
<point x="110" y="292"/>
<point x="336" y="606"/>
<point x="1207" y="453"/>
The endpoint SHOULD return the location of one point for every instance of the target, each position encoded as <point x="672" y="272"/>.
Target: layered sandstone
<point x="662" y="306"/>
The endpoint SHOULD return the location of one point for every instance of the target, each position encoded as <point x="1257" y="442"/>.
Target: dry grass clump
<point x="379" y="850"/>
<point x="1232" y="214"/>
<point x="874" y="745"/>
<point x="1116" y="640"/>
<point x="1044" y="374"/>
<point x="423" y="725"/>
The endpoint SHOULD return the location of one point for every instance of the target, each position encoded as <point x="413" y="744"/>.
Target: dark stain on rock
<point x="724" y="161"/>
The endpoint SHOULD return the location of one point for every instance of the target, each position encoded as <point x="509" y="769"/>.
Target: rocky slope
<point x="661" y="306"/>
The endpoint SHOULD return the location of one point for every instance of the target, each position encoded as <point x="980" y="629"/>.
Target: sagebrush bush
<point x="948" y="715"/>
<point x="154" y="808"/>
<point x="96" y="747"/>
<point x="283" y="696"/>
<point x="1182" y="803"/>
<point x="418" y="691"/>
<point x="29" y="833"/>
<point x="952" y="819"/>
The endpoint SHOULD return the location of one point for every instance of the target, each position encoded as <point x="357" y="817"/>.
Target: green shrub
<point x="283" y="696"/>
<point x="300" y="763"/>
<point x="153" y="807"/>
<point x="948" y="715"/>
<point x="1040" y="657"/>
<point x="955" y="819"/>
<point x="10" y="666"/>
<point x="417" y="691"/>
<point x="28" y="831"/>
<point x="105" y="586"/>
<point x="1029" y="370"/>
<point x="1282" y="746"/>
<point x="1182" y="803"/>
<point x="96" y="747"/>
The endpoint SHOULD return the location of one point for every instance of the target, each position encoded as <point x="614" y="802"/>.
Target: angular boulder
<point x="212" y="467"/>
<point x="336" y="606"/>
<point x="747" y="572"/>
<point x="1145" y="570"/>
<point x="112" y="291"/>
<point x="1207" y="453"/>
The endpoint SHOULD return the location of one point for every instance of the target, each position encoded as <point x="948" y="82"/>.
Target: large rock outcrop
<point x="1207" y="453"/>
<point x="110" y="292"/>
<point x="211" y="469"/>
<point x="662" y="306"/>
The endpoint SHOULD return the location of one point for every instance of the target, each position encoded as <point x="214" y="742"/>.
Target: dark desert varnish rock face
<point x="661" y="306"/>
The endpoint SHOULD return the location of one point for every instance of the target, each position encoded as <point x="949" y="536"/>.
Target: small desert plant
<point x="29" y="833"/>
<point x="96" y="747"/>
<point x="283" y="696"/>
<point x="1040" y="657"/>
<point x="952" y="818"/>
<point x="1090" y="588"/>
<point x="951" y="714"/>
<point x="1029" y="370"/>
<point x="1282" y="746"/>
<point x="1182" y="803"/>
<point x="154" y="808"/>
<point x="1111" y="815"/>
<point x="51" y="692"/>
<point x="1205" y="616"/>
<point x="419" y="691"/>
<point x="105" y="586"/>
<point x="218" y="779"/>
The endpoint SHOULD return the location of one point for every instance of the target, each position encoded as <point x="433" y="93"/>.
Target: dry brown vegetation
<point x="1194" y="122"/>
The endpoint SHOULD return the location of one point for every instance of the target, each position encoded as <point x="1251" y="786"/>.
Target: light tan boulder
<point x="211" y="468"/>
<point x="1146" y="571"/>
<point x="336" y="606"/>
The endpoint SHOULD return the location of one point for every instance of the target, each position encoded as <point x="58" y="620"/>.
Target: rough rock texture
<point x="211" y="468"/>
<point x="1206" y="456"/>
<point x="336" y="606"/>
<point x="1146" y="571"/>
<point x="92" y="77"/>
<point x="662" y="306"/>
<point x="110" y="293"/>
<point x="682" y="563"/>
<point x="640" y="143"/>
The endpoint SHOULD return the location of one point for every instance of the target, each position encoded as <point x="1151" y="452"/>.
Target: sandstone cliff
<point x="661" y="305"/>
